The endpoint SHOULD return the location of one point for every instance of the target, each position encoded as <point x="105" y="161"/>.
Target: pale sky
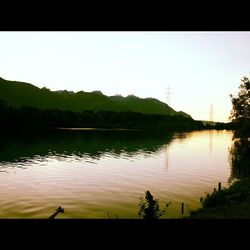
<point x="201" y="68"/>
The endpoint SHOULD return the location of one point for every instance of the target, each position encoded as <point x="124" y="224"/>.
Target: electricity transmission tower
<point x="168" y="95"/>
<point x="211" y="116"/>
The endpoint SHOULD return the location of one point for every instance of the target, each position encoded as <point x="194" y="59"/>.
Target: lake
<point x="104" y="174"/>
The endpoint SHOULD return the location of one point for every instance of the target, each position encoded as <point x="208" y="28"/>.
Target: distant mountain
<point x="17" y="94"/>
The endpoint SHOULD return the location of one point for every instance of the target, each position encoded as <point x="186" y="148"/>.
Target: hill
<point x="19" y="94"/>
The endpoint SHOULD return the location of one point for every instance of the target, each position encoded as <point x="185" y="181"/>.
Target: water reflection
<point x="167" y="157"/>
<point x="210" y="141"/>
<point x="90" y="173"/>
<point x="89" y="145"/>
<point x="181" y="136"/>
<point x="239" y="158"/>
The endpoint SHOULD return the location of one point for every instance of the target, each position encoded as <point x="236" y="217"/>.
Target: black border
<point x="144" y="232"/>
<point x="181" y="231"/>
<point x="145" y="16"/>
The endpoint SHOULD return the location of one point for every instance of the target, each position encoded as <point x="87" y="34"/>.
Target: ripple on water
<point x="90" y="184"/>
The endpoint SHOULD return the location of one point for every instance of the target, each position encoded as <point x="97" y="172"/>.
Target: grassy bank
<point x="232" y="203"/>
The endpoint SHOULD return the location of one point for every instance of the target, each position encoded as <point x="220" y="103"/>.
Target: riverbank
<point x="230" y="203"/>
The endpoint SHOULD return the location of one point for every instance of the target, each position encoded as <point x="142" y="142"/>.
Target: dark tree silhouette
<point x="149" y="207"/>
<point x="27" y="117"/>
<point x="240" y="113"/>
<point x="241" y="103"/>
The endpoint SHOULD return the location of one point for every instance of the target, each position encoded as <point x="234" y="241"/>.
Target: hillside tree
<point x="241" y="103"/>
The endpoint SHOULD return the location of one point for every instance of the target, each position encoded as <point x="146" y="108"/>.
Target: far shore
<point x="101" y="129"/>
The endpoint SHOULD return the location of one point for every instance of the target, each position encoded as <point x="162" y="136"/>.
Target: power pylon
<point x="168" y="95"/>
<point x="211" y="116"/>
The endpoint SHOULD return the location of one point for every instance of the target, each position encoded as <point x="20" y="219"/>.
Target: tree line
<point x="27" y="117"/>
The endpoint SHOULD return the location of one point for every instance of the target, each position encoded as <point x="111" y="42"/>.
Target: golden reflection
<point x="210" y="141"/>
<point x="115" y="182"/>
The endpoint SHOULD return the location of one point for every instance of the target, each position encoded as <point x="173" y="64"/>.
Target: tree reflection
<point x="149" y="207"/>
<point x="181" y="136"/>
<point x="15" y="146"/>
<point x="239" y="157"/>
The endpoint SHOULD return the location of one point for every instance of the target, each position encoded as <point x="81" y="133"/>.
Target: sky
<point x="200" y="68"/>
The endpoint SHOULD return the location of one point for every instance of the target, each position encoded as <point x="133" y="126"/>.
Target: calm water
<point x="102" y="174"/>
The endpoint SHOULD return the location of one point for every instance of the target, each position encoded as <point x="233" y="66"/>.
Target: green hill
<point x="17" y="94"/>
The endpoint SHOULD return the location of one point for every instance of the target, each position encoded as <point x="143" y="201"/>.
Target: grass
<point x="233" y="203"/>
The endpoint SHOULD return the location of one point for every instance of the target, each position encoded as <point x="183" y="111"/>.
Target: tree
<point x="241" y="103"/>
<point x="240" y="113"/>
